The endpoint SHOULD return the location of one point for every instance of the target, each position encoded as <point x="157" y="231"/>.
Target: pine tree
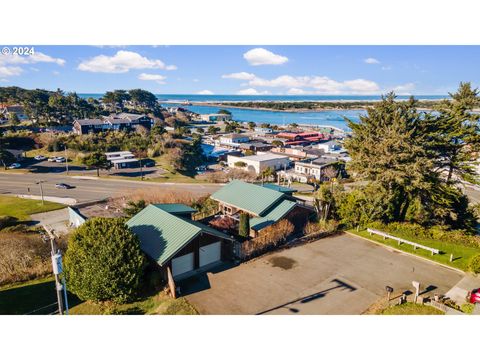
<point x="387" y="147"/>
<point x="454" y="139"/>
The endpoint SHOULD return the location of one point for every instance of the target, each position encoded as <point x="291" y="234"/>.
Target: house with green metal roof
<point x="266" y="205"/>
<point x="176" y="243"/>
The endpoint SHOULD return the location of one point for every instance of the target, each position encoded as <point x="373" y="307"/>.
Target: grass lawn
<point x="411" y="309"/>
<point x="23" y="208"/>
<point x="159" y="304"/>
<point x="22" y="298"/>
<point x="461" y="254"/>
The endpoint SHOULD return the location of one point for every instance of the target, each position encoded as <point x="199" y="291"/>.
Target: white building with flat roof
<point x="216" y="117"/>
<point x="233" y="139"/>
<point x="258" y="163"/>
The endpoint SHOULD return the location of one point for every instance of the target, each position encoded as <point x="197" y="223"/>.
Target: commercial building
<point x="216" y="117"/>
<point x="258" y="163"/>
<point x="122" y="159"/>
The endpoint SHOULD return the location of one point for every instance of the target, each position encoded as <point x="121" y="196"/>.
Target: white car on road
<point x="52" y="159"/>
<point x="15" y="166"/>
<point x="40" y="158"/>
<point x="60" y="159"/>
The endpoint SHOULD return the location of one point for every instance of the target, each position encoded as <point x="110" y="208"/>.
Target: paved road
<point x="87" y="189"/>
<point x="334" y="275"/>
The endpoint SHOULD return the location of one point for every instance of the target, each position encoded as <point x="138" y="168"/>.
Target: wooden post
<point x="451" y="257"/>
<point x="171" y="283"/>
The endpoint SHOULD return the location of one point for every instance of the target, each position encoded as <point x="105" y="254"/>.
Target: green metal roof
<point x="162" y="234"/>
<point x="175" y="208"/>
<point x="274" y="215"/>
<point x="251" y="198"/>
<point x="282" y="189"/>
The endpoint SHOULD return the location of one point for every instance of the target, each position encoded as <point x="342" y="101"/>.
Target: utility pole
<point x="66" y="158"/>
<point x="57" y="266"/>
<point x="41" y="190"/>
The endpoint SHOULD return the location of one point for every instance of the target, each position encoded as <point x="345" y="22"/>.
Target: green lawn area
<point x="22" y="298"/>
<point x="23" y="208"/>
<point x="461" y="254"/>
<point x="411" y="309"/>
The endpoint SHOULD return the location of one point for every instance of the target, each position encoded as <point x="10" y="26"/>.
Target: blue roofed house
<point x="266" y="205"/>
<point x="178" y="244"/>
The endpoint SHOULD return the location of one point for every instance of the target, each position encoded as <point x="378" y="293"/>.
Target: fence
<point x="403" y="241"/>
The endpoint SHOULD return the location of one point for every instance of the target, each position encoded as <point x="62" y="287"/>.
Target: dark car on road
<point x="63" y="186"/>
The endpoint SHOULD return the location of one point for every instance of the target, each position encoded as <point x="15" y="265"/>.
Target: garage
<point x="210" y="253"/>
<point x="182" y="264"/>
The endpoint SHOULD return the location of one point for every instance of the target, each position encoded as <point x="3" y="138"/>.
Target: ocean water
<point x="328" y="118"/>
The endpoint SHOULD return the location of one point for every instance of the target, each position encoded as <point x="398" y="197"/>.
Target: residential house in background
<point x="330" y="147"/>
<point x="258" y="163"/>
<point x="8" y="110"/>
<point x="114" y="122"/>
<point x="233" y="140"/>
<point x="313" y="170"/>
<point x="265" y="205"/>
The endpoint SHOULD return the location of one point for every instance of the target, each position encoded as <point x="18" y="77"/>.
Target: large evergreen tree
<point x="387" y="147"/>
<point x="454" y="135"/>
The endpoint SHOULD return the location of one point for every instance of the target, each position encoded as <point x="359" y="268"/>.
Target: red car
<point x="475" y="296"/>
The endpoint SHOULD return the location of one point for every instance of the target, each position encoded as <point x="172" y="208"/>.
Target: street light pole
<point x="66" y="158"/>
<point x="41" y="190"/>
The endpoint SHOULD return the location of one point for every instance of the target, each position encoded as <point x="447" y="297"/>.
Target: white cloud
<point x="56" y="73"/>
<point x="37" y="57"/>
<point x="371" y="60"/>
<point x="404" y="89"/>
<point x="122" y="62"/>
<point x="260" y="56"/>
<point x="196" y="80"/>
<point x="10" y="64"/>
<point x="159" y="79"/>
<point x="3" y="80"/>
<point x="296" y="91"/>
<point x="317" y="84"/>
<point x="239" y="76"/>
<point x="388" y="67"/>
<point x="205" y="92"/>
<point x="362" y="85"/>
<point x="252" y="91"/>
<point x="10" y="70"/>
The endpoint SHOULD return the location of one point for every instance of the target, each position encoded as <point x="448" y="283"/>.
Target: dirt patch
<point x="282" y="262"/>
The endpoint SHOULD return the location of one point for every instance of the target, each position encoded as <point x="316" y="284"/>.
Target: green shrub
<point x="244" y="225"/>
<point x="104" y="261"/>
<point x="437" y="233"/>
<point x="474" y="265"/>
<point x="6" y="221"/>
<point x="467" y="308"/>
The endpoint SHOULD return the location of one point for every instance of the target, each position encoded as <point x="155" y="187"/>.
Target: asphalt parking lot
<point x="335" y="275"/>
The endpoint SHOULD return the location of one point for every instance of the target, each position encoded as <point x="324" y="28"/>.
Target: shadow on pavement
<point x="200" y="281"/>
<point x="309" y="298"/>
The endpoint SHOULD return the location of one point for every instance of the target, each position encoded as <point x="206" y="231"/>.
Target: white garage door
<point x="210" y="253"/>
<point x="182" y="264"/>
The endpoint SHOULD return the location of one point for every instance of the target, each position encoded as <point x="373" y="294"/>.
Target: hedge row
<point x="437" y="233"/>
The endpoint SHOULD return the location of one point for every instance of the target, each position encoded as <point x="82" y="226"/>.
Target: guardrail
<point x="403" y="241"/>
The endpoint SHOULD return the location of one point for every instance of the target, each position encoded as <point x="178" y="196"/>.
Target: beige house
<point x="258" y="163"/>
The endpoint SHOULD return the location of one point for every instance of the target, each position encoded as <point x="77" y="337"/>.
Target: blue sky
<point x="323" y="70"/>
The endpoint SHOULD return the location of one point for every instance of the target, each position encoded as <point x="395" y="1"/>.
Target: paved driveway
<point x="336" y="275"/>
